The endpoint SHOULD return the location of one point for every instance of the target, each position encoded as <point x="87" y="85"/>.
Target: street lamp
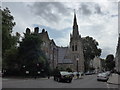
<point x="77" y="59"/>
<point x="53" y="56"/>
<point x="24" y="69"/>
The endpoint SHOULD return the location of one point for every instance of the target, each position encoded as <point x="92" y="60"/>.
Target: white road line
<point x="5" y="79"/>
<point x="108" y="85"/>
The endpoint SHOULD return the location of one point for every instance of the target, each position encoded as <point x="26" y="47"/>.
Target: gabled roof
<point x="52" y="42"/>
<point x="63" y="56"/>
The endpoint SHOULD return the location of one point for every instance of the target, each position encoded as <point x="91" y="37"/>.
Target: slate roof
<point x="63" y="55"/>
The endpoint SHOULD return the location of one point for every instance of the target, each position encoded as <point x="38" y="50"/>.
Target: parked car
<point x="81" y="73"/>
<point x="93" y="72"/>
<point x="71" y="73"/>
<point x="102" y="76"/>
<point x="0" y="73"/>
<point x="108" y="73"/>
<point x="63" y="76"/>
<point x="88" y="73"/>
<point x="74" y="73"/>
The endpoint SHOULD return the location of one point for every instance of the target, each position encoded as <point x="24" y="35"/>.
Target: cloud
<point x="61" y="37"/>
<point x="98" y="9"/>
<point x="107" y="51"/>
<point x="89" y="8"/>
<point x="98" y="20"/>
<point x="85" y="9"/>
<point x="49" y="11"/>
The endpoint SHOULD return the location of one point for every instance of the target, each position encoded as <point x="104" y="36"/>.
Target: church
<point x="72" y="56"/>
<point x="65" y="57"/>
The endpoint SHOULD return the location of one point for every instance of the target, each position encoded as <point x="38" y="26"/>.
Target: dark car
<point x="63" y="76"/>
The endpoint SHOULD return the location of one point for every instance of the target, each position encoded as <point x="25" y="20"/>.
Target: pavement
<point x="114" y="79"/>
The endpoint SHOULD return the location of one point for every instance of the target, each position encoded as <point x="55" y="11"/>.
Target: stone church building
<point x="65" y="57"/>
<point x="72" y="56"/>
<point x="117" y="57"/>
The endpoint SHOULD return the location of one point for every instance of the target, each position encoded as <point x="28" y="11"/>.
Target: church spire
<point x="75" y="26"/>
<point x="75" y="20"/>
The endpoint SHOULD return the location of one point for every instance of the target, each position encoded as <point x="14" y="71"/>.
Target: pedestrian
<point x="48" y="75"/>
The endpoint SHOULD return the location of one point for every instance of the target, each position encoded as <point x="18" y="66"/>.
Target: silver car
<point x="102" y="77"/>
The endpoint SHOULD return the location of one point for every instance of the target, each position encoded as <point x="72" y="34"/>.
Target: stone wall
<point x="117" y="58"/>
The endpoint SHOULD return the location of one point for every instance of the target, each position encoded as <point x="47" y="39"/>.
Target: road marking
<point x="5" y="79"/>
<point x="107" y="85"/>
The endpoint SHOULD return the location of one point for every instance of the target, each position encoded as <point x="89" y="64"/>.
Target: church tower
<point x="76" y="48"/>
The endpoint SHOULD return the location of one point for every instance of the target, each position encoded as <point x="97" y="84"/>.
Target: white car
<point x="102" y="76"/>
<point x="108" y="73"/>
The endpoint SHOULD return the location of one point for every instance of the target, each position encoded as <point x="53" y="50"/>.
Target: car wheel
<point x="69" y="81"/>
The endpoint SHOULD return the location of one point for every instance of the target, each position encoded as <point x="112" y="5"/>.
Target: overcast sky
<point x="95" y="19"/>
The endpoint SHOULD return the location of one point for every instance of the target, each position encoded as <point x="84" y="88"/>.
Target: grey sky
<point x="95" y="19"/>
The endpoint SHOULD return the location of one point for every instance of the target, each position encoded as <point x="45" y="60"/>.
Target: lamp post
<point x="24" y="69"/>
<point x="77" y="59"/>
<point x="53" y="57"/>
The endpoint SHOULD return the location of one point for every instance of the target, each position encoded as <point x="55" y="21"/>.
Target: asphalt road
<point x="89" y="81"/>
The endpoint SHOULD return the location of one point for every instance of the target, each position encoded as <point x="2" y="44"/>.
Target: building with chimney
<point x="65" y="57"/>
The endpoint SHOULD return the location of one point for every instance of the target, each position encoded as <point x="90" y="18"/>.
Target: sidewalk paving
<point x="23" y="78"/>
<point x="114" y="79"/>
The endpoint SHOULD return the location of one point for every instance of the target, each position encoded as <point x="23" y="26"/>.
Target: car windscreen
<point x="64" y="73"/>
<point x="102" y="74"/>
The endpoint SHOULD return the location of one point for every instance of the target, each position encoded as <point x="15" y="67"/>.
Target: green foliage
<point x="61" y="68"/>
<point x="110" y="63"/>
<point x="30" y="54"/>
<point x="103" y="64"/>
<point x="8" y="40"/>
<point x="10" y="60"/>
<point x="69" y="69"/>
<point x="56" y="71"/>
<point x="90" y="50"/>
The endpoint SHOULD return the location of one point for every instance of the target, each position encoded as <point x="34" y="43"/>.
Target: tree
<point x="10" y="61"/>
<point x="90" y="50"/>
<point x="103" y="64"/>
<point x="69" y="69"/>
<point x="30" y="54"/>
<point x="9" y="41"/>
<point x="110" y="63"/>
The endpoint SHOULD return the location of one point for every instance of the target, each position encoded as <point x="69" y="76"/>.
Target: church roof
<point x="63" y="56"/>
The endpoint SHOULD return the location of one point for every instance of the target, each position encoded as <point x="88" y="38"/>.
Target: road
<point x="89" y="81"/>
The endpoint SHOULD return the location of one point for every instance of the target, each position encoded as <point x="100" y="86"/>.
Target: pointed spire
<point x="75" y="20"/>
<point x="75" y="26"/>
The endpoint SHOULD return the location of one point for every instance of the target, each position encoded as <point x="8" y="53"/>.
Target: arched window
<point x="72" y="47"/>
<point x="75" y="47"/>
